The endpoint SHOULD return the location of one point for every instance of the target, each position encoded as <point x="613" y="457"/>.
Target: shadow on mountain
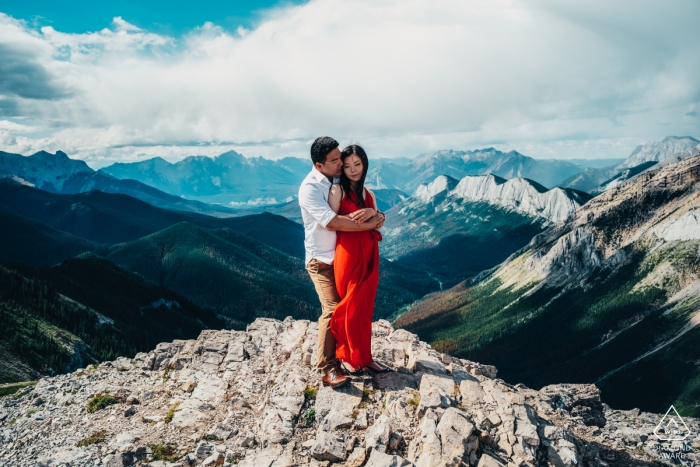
<point x="460" y="256"/>
<point x="115" y="218"/>
<point x="233" y="274"/>
<point x="83" y="311"/>
<point x="27" y="241"/>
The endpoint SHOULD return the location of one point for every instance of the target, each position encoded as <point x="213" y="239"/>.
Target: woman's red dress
<point x="356" y="267"/>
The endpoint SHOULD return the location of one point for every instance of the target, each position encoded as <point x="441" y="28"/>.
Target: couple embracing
<point x="342" y="257"/>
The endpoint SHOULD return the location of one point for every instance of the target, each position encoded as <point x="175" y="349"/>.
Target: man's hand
<point x="380" y="217"/>
<point x="380" y="220"/>
<point x="362" y="215"/>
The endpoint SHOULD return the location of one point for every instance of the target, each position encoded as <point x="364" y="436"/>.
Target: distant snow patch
<point x="254" y="202"/>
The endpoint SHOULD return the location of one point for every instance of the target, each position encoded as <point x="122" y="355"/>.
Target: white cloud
<point x="7" y="125"/>
<point x="401" y="76"/>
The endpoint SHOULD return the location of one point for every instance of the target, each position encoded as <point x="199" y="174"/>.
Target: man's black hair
<point x="321" y="148"/>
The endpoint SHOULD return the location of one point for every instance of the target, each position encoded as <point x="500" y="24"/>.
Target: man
<point x="320" y="225"/>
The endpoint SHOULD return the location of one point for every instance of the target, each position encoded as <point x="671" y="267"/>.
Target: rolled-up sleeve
<point x="312" y="200"/>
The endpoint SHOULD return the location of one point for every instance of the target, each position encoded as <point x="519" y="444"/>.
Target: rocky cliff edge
<point x="253" y="399"/>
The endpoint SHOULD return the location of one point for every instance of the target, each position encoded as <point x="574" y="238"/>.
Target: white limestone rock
<point x="378" y="434"/>
<point x="380" y="459"/>
<point x="436" y="391"/>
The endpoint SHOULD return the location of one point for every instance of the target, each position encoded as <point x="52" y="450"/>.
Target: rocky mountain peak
<point x="45" y="154"/>
<point x="60" y="159"/>
<point x="252" y="399"/>
<point x="43" y="169"/>
<point x="656" y="205"/>
<point x="159" y="162"/>
<point x="229" y="157"/>
<point x="658" y="150"/>
<point x="442" y="183"/>
<point x="679" y="178"/>
<point x="520" y="194"/>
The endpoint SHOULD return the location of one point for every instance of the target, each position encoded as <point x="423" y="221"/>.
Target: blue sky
<point x="172" y="17"/>
<point x="127" y="81"/>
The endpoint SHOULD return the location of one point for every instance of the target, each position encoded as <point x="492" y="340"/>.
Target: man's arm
<point x="334" y="198"/>
<point x="362" y="215"/>
<point x="311" y="199"/>
<point x="345" y="224"/>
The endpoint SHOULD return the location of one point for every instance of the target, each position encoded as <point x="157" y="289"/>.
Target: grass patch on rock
<point x="7" y="389"/>
<point x="95" y="438"/>
<point x="166" y="372"/>
<point x="310" y="393"/>
<point x="171" y="412"/>
<point x="234" y="458"/>
<point x="415" y="400"/>
<point x="100" y="401"/>
<point x="164" y="452"/>
<point x="308" y="418"/>
<point x="366" y="395"/>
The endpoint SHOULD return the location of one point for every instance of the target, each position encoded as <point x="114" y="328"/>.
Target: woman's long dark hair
<point x="355" y="150"/>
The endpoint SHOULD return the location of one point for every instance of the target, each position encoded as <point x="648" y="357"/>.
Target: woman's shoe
<point x="349" y="369"/>
<point x="378" y="367"/>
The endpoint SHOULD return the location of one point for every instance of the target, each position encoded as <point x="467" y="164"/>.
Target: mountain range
<point x="455" y="229"/>
<point x="602" y="284"/>
<point x="597" y="179"/>
<point x="657" y="151"/>
<point x="57" y="173"/>
<point x="457" y="164"/>
<point x="610" y="295"/>
<point x="220" y="269"/>
<point x="114" y="218"/>
<point x="229" y="179"/>
<point x="229" y="182"/>
<point x="234" y="180"/>
<point x="233" y="266"/>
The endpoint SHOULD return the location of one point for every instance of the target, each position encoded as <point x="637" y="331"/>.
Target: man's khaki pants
<point x="324" y="280"/>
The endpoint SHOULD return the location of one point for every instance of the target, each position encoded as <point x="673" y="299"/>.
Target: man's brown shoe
<point x="334" y="379"/>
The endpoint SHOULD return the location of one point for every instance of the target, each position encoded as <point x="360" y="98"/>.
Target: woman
<point x="356" y="265"/>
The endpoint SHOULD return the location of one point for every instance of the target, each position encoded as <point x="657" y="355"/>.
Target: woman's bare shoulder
<point x="337" y="191"/>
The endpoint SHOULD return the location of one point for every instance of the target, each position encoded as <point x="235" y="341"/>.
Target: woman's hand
<point x="362" y="215"/>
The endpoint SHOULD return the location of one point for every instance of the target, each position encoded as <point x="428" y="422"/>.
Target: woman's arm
<point x="362" y="215"/>
<point x="344" y="223"/>
<point x="335" y="197"/>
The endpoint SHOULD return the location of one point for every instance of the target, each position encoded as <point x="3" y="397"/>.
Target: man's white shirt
<point x="316" y="213"/>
